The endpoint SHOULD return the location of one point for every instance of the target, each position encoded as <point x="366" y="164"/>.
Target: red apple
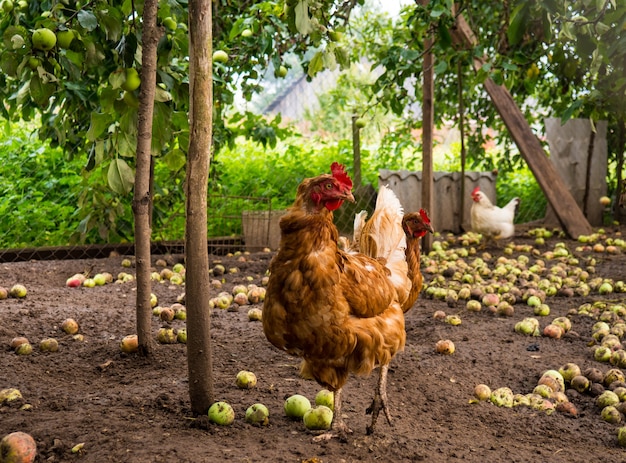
<point x="18" y="447"/>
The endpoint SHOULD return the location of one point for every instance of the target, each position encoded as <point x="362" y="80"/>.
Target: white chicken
<point x="493" y="222"/>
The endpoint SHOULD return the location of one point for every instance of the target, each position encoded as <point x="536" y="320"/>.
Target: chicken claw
<point x="339" y="428"/>
<point x="380" y="400"/>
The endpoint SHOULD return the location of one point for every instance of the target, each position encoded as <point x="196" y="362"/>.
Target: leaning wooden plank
<point x="569" y="214"/>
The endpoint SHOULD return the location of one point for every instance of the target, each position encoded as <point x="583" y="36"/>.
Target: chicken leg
<point x="338" y="428"/>
<point x="380" y="400"/>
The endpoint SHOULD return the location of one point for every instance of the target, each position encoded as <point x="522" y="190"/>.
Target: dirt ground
<point x="129" y="409"/>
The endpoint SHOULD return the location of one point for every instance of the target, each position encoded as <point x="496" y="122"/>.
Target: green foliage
<point x="38" y="192"/>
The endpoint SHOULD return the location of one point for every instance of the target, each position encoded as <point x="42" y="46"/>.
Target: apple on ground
<point x="18" y="447"/>
<point x="318" y="418"/>
<point x="24" y="349"/>
<point x="18" y="291"/>
<point x="296" y="406"/>
<point x="4" y="293"/>
<point x="326" y="398"/>
<point x="245" y="380"/>
<point x="70" y="326"/>
<point x="258" y="415"/>
<point x="49" y="345"/>
<point x="18" y="341"/>
<point x="129" y="344"/>
<point x="221" y="413"/>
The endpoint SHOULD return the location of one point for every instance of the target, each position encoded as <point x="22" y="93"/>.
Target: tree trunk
<point x="428" y="111"/>
<point x="619" y="191"/>
<point x="356" y="152"/>
<point x="142" y="201"/>
<point x="199" y="357"/>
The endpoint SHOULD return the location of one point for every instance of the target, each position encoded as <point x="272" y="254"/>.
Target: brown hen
<point x="339" y="311"/>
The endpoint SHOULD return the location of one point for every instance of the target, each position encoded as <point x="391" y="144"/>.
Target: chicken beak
<point x="430" y="229"/>
<point x="349" y="197"/>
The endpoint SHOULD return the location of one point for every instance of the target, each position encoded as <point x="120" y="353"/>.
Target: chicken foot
<point x="339" y="428"/>
<point x="380" y="400"/>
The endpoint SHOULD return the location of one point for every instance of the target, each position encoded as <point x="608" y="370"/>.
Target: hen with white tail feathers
<point x="382" y="237"/>
<point x="493" y="222"/>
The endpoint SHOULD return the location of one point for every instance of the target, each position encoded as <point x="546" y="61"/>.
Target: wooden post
<point x="427" y="137"/>
<point x="560" y="198"/>
<point x="356" y="152"/>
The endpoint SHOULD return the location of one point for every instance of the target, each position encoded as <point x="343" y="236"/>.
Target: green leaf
<point x="441" y="67"/>
<point x="175" y="160"/>
<point x="120" y="177"/>
<point x="87" y="20"/>
<point x="99" y="123"/>
<point x="316" y="64"/>
<point x="517" y="24"/>
<point x="40" y="92"/>
<point x="303" y="22"/>
<point x="567" y="114"/>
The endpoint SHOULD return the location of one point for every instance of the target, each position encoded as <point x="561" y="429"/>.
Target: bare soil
<point x="125" y="408"/>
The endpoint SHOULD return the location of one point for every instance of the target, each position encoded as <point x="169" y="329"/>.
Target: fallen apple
<point x="257" y="415"/>
<point x="18" y="291"/>
<point x="10" y="395"/>
<point x="221" y="413"/>
<point x="318" y="418"/>
<point x="49" y="345"/>
<point x="444" y="346"/>
<point x="556" y="376"/>
<point x="166" y="336"/>
<point x="569" y="371"/>
<point x="245" y="380"/>
<point x="326" y="398"/>
<point x="255" y="314"/>
<point x="70" y="326"/>
<point x="502" y="397"/>
<point x="610" y="414"/>
<point x="99" y="279"/>
<point x="181" y="336"/>
<point x="553" y="331"/>
<point x="296" y="406"/>
<point x="606" y="399"/>
<point x="167" y="314"/>
<point x="621" y="436"/>
<point x="75" y="280"/>
<point x="482" y="392"/>
<point x="129" y="344"/>
<point x="4" y="293"/>
<point x="24" y="349"/>
<point x="580" y="383"/>
<point x="18" y="341"/>
<point x="18" y="447"/>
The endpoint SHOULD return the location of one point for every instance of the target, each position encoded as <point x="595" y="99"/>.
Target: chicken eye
<point x="329" y="186"/>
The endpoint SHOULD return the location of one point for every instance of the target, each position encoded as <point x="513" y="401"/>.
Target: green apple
<point x="281" y="72"/>
<point x="221" y="413"/>
<point x="258" y="415"/>
<point x="49" y="345"/>
<point x="18" y="291"/>
<point x="245" y="380"/>
<point x="64" y="38"/>
<point x="360" y="123"/>
<point x="246" y="33"/>
<point x="44" y="39"/>
<point x="7" y="6"/>
<point x="318" y="418"/>
<point x="170" y="23"/>
<point x="220" y="56"/>
<point x="326" y="398"/>
<point x="132" y="81"/>
<point x="296" y="406"/>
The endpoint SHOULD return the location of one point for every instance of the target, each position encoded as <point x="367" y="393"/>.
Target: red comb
<point x="424" y="216"/>
<point x="475" y="190"/>
<point x="340" y="174"/>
